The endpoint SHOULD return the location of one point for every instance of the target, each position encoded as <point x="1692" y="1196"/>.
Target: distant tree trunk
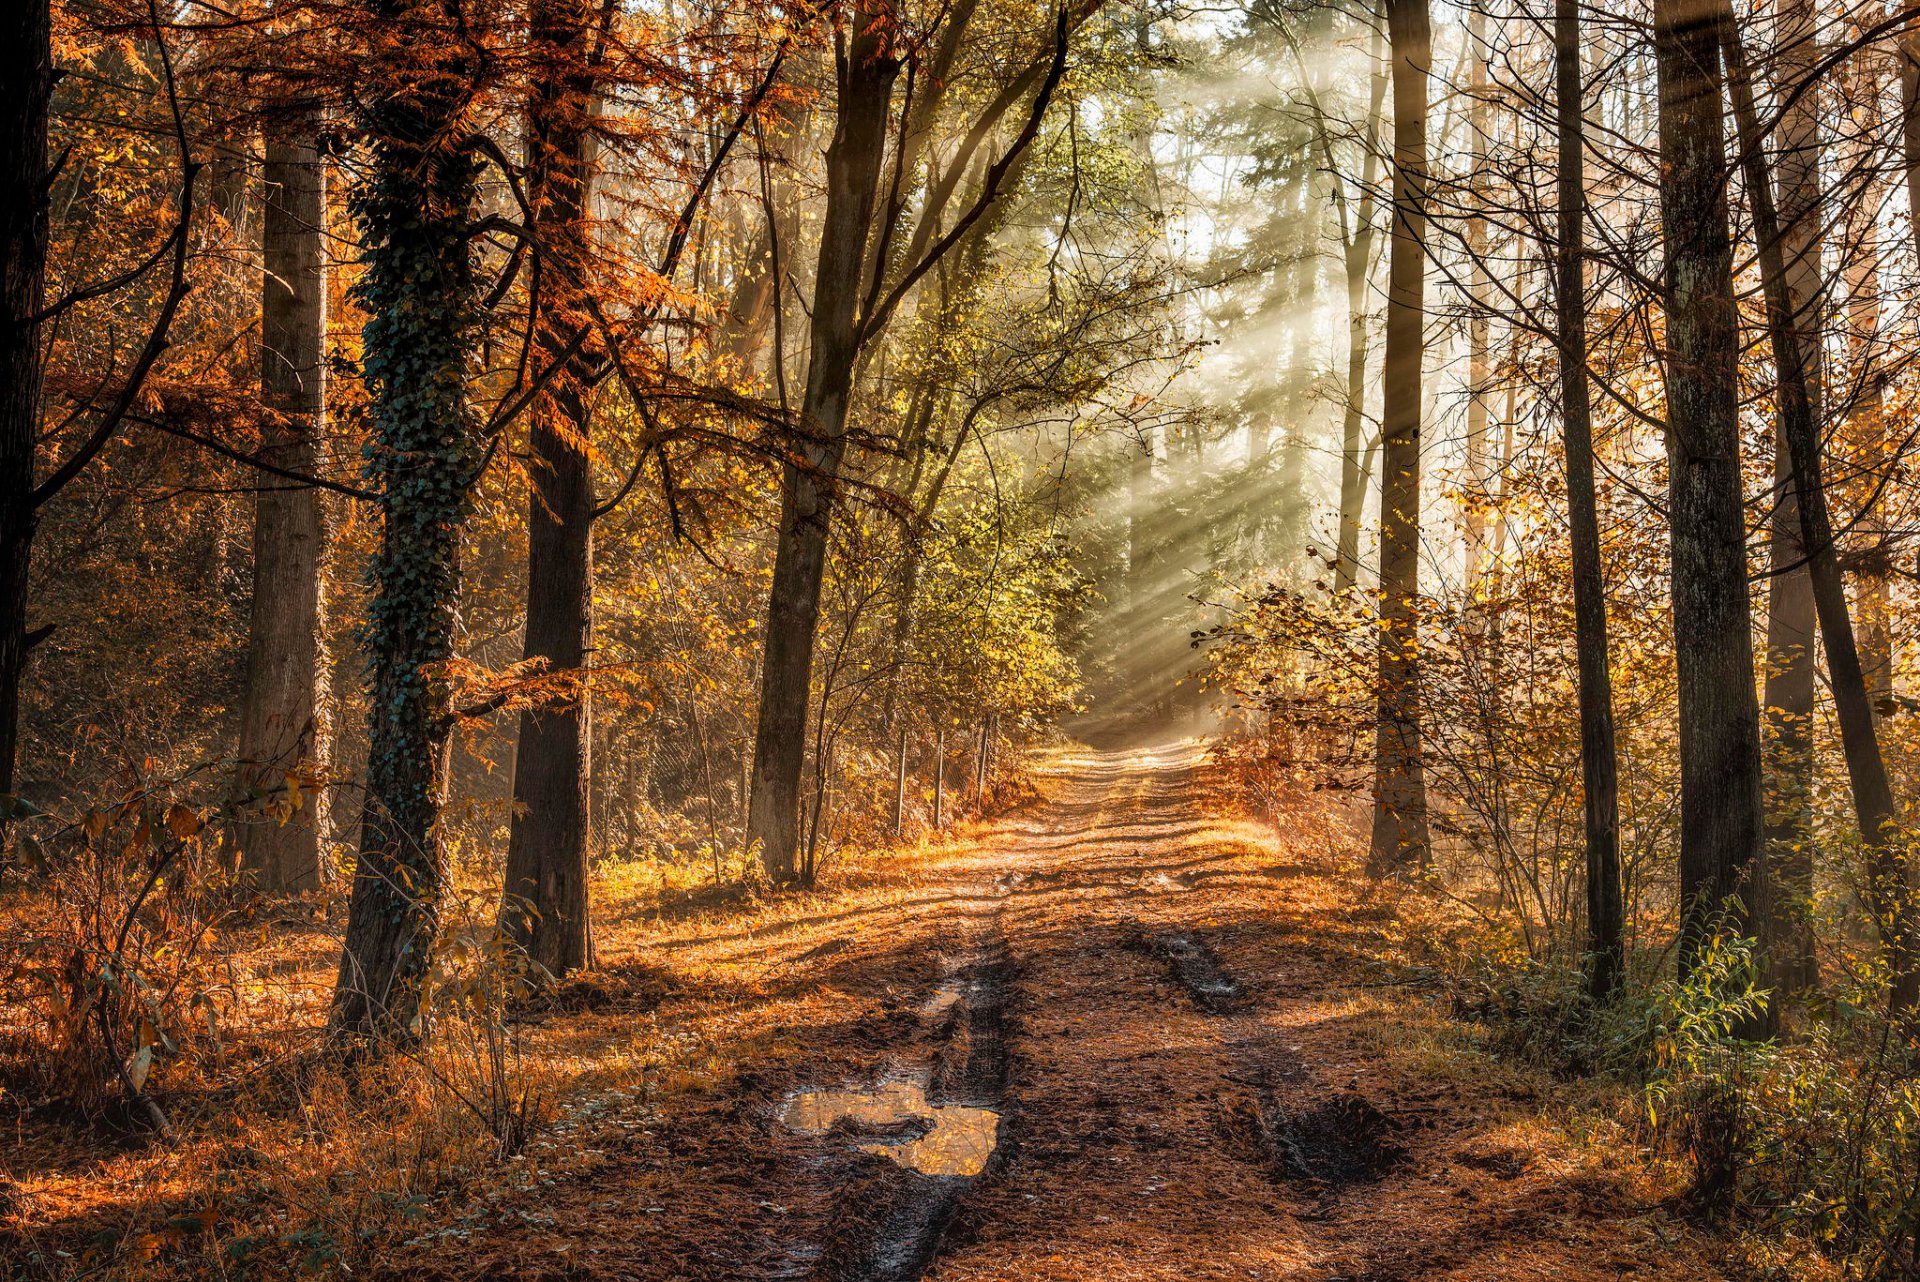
<point x="1140" y="522"/>
<point x="1400" y="838"/>
<point x="1277" y="543"/>
<point x="1599" y="768"/>
<point x="415" y="207"/>
<point x="940" y="778"/>
<point x="1354" y="452"/>
<point x="1888" y="891"/>
<point x="1479" y="285"/>
<point x="544" y="909"/>
<point x="1910" y="127"/>
<point x="866" y="73"/>
<point x="26" y="105"/>
<point x="1720" y="803"/>
<point x="1866" y="421"/>
<point x="900" y="784"/>
<point x="1785" y="891"/>
<point x="281" y="734"/>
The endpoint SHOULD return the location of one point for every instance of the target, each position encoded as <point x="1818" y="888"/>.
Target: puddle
<point x="957" y="1140"/>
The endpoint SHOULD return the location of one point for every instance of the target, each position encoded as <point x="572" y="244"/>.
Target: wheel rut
<point x="1121" y="1035"/>
<point x="902" y="1152"/>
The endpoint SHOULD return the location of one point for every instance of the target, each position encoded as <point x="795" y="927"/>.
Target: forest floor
<point x="1117" y="1035"/>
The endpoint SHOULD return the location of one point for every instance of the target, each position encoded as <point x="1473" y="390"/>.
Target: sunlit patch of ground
<point x="1140" y="1133"/>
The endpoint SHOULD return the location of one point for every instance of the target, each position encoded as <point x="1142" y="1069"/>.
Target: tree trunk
<point x="281" y="732"/>
<point x="1355" y="455"/>
<point x="1887" y="891"/>
<point x="1720" y="803"/>
<point x="544" y="908"/>
<point x="1785" y="891"/>
<point x="900" y="784"/>
<point x="1866" y="420"/>
<point x="26" y="104"/>
<point x="1400" y="838"/>
<point x="1479" y="320"/>
<point x="1910" y="127"/>
<point x="1140" y="514"/>
<point x="865" y="91"/>
<point x="415" y="209"/>
<point x="1606" y="912"/>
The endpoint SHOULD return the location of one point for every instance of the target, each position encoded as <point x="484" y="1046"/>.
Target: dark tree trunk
<point x="1606" y="911"/>
<point x="1887" y="891"/>
<point x="866" y="74"/>
<point x="415" y="208"/>
<point x="1910" y="127"/>
<point x="280" y="731"/>
<point x="1860" y="83"/>
<point x="26" y="101"/>
<point x="1400" y="838"/>
<point x="1785" y="892"/>
<point x="545" y="907"/>
<point x="1720" y="805"/>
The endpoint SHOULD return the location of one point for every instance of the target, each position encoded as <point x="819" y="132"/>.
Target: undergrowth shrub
<point x="150" y="1003"/>
<point x="121" y="971"/>
<point x="1816" y="1137"/>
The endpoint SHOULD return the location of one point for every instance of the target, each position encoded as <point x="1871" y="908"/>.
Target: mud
<point x="1339" y="1141"/>
<point x="1198" y="970"/>
<point x="922" y="1138"/>
<point x="1202" y="1083"/>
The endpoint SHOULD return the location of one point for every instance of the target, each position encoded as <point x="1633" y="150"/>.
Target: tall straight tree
<point x="1860" y="159"/>
<point x="1357" y="257"/>
<point x="1354" y="217"/>
<point x="1786" y="892"/>
<point x="1889" y="892"/>
<point x="1720" y="802"/>
<point x="280" y="731"/>
<point x="26" y="109"/>
<point x="866" y="65"/>
<point x="1400" y="839"/>
<point x="1479" y="297"/>
<point x="1599" y="765"/>
<point x="1910" y="127"/>
<point x="415" y="207"/>
<point x="865" y="268"/>
<point x="26" y="194"/>
<point x="545" y="905"/>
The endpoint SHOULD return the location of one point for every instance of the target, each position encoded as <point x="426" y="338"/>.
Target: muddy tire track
<point x="1298" y="1129"/>
<point x="902" y="1156"/>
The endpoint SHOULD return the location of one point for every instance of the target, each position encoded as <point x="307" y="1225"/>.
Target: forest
<point x="993" y="641"/>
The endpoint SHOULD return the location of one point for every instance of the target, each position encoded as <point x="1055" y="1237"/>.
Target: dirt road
<point x="1117" y="1036"/>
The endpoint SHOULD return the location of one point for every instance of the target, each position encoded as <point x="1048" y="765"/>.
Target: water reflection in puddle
<point x="957" y="1142"/>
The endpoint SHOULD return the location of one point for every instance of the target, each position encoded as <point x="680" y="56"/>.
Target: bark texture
<point x="282" y="744"/>
<point x="545" y="908"/>
<point x="1720" y="797"/>
<point x="1400" y="838"/>
<point x="26" y="98"/>
<point x="1599" y="764"/>
<point x="865" y="75"/>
